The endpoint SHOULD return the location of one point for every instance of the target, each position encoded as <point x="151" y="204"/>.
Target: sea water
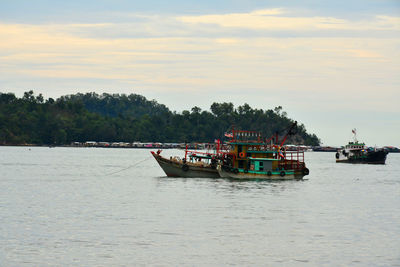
<point x="115" y="207"/>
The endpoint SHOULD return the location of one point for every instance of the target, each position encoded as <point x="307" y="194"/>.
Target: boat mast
<point x="186" y="150"/>
<point x="290" y="132"/>
<point x="354" y="131"/>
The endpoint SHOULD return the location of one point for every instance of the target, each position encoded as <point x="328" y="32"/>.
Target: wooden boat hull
<point x="174" y="168"/>
<point x="274" y="175"/>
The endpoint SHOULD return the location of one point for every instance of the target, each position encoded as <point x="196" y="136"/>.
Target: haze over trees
<point x="127" y="118"/>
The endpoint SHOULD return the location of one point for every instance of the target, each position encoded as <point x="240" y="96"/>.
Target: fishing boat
<point x="252" y="157"/>
<point x="195" y="164"/>
<point x="357" y="152"/>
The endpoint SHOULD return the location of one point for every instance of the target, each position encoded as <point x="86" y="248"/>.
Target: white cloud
<point x="314" y="67"/>
<point x="274" y="20"/>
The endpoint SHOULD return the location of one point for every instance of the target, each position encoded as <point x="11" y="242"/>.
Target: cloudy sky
<point x="332" y="65"/>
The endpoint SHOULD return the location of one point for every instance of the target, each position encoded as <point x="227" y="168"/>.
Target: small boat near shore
<point x="247" y="155"/>
<point x="195" y="164"/>
<point x="358" y="153"/>
<point x="253" y="158"/>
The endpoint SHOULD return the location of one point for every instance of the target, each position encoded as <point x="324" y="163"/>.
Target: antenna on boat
<point x="354" y="131"/>
<point x="291" y="131"/>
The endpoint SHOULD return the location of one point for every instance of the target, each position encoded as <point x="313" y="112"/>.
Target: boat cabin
<point x="250" y="153"/>
<point x="263" y="164"/>
<point x="252" y="156"/>
<point x="355" y="146"/>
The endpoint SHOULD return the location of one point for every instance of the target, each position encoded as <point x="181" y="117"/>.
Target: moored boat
<point x="358" y="153"/>
<point x="253" y="158"/>
<point x="195" y="164"/>
<point x="175" y="167"/>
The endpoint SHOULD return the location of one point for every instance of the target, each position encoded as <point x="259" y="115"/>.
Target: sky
<point x="331" y="65"/>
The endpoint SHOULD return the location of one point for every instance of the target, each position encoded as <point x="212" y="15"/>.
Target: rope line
<point x="137" y="163"/>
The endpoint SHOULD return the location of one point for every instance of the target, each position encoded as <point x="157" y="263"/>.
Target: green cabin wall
<point x="244" y="148"/>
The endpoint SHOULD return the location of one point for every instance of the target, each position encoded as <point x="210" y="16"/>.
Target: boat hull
<point x="376" y="157"/>
<point x="278" y="175"/>
<point x="174" y="168"/>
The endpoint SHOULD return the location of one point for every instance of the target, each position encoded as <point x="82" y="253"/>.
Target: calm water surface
<point x="77" y="206"/>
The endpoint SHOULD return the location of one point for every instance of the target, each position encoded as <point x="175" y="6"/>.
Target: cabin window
<point x="261" y="165"/>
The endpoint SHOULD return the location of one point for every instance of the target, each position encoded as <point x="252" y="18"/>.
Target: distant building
<point x="90" y="143"/>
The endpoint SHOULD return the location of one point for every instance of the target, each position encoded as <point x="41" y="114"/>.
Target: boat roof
<point x="356" y="143"/>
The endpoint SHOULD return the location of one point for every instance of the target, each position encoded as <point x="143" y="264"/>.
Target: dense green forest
<point x="127" y="118"/>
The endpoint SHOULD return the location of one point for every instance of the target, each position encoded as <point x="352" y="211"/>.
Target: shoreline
<point x="163" y="146"/>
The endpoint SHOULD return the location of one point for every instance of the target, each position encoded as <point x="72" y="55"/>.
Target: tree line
<point x="32" y="119"/>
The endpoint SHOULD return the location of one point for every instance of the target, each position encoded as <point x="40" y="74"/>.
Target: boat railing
<point x="246" y="136"/>
<point x="266" y="147"/>
<point x="218" y="151"/>
<point x="293" y="160"/>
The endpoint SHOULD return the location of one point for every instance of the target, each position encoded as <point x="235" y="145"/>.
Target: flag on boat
<point x="230" y="135"/>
